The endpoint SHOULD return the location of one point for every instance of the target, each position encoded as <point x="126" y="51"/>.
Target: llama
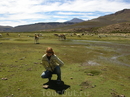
<point x="36" y="38"/>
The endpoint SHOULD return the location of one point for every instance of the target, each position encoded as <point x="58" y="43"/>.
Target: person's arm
<point x="45" y="63"/>
<point x="61" y="63"/>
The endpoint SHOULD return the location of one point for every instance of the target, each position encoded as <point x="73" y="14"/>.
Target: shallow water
<point x="122" y="50"/>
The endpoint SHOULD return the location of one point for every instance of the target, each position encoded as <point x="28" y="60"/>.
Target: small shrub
<point x="93" y="72"/>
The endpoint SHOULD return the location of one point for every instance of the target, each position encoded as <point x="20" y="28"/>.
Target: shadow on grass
<point x="59" y="88"/>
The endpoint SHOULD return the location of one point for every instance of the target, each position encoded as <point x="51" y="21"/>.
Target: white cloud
<point x="13" y="23"/>
<point x="20" y="6"/>
<point x="93" y="5"/>
<point x="61" y="20"/>
<point x="71" y="13"/>
<point x="55" y="10"/>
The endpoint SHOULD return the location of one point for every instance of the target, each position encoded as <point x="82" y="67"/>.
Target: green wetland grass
<point x="94" y="67"/>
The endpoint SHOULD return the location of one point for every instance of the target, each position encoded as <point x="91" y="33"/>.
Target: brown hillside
<point x="108" y="23"/>
<point x="120" y="27"/>
<point x="118" y="17"/>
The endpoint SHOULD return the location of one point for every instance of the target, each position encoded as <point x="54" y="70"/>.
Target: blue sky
<point x="22" y="12"/>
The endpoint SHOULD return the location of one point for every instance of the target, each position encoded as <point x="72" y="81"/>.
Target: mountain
<point x="111" y="19"/>
<point x="39" y="26"/>
<point x="75" y="24"/>
<point x="45" y="26"/>
<point x="5" y="28"/>
<point x="118" y="17"/>
<point x="76" y="20"/>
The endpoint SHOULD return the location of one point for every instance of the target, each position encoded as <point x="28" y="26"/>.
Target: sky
<point x="22" y="12"/>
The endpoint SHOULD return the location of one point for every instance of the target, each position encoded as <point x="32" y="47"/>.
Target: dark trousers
<point x="48" y="74"/>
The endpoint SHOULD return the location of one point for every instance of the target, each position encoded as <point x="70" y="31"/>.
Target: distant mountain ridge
<point x="118" y="17"/>
<point x="111" y="19"/>
<point x="39" y="26"/>
<point x="75" y="20"/>
<point x="5" y="28"/>
<point x="74" y="24"/>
